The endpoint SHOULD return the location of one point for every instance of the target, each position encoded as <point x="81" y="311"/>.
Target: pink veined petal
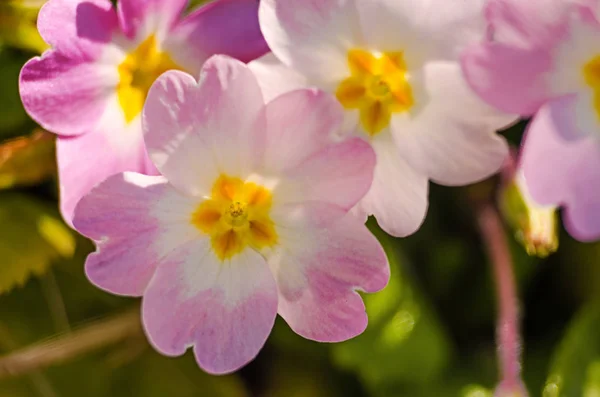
<point x="532" y="24"/>
<point x="88" y="159"/>
<point x="399" y="194"/>
<point x="135" y="220"/>
<point x="422" y="29"/>
<point x="510" y="78"/>
<point x="340" y="174"/>
<point x="140" y="18"/>
<point x="318" y="272"/>
<point x="312" y="36"/>
<point x="275" y="78"/>
<point x="65" y="96"/>
<point x="195" y="131"/>
<point x="224" y="310"/>
<point x="562" y="167"/>
<point x="228" y="27"/>
<point x="78" y="29"/>
<point x="299" y="124"/>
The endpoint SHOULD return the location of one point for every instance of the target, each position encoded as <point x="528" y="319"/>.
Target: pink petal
<point x="300" y="124"/>
<point x="398" y="195"/>
<point x="225" y="310"/>
<point x="228" y="27"/>
<point x="509" y="78"/>
<point x="65" y="96"/>
<point x="275" y="78"/>
<point x="339" y="174"/>
<point x="318" y="273"/>
<point x="532" y="24"/>
<point x="88" y="159"/>
<point x="195" y="131"/>
<point x="139" y="18"/>
<point x="311" y="36"/>
<point x="78" y="29"/>
<point x="135" y="220"/>
<point x="562" y="167"/>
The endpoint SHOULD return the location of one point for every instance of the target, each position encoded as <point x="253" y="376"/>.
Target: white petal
<point x="275" y="78"/>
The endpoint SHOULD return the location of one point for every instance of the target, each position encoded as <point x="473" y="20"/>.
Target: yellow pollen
<point x="236" y="216"/>
<point x="591" y="74"/>
<point x="377" y="87"/>
<point x="138" y="72"/>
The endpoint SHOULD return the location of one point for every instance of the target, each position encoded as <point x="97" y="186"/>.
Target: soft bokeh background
<point x="431" y="331"/>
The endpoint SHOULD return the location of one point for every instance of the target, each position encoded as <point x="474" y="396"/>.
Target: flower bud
<point x="535" y="226"/>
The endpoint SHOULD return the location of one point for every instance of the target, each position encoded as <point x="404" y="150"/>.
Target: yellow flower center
<point x="378" y="87"/>
<point x="138" y="72"/>
<point x="236" y="216"/>
<point x="591" y="74"/>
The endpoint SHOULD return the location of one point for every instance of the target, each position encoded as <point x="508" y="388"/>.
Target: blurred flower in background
<point x="91" y="86"/>
<point x="557" y="81"/>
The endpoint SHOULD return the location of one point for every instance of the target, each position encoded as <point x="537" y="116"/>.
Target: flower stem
<point x="507" y="331"/>
<point x="92" y="337"/>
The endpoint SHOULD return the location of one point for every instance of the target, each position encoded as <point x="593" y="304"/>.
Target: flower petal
<point x="562" y="167"/>
<point x="452" y="140"/>
<point x="528" y="24"/>
<point x="196" y="131"/>
<point x="275" y="78"/>
<point x="398" y="195"/>
<point x="318" y="273"/>
<point x="312" y="37"/>
<point x="86" y="160"/>
<point x="300" y="124"/>
<point x="65" y="96"/>
<point x="228" y="27"/>
<point x="491" y="72"/>
<point x="224" y="309"/>
<point x="340" y="174"/>
<point x="135" y="220"/>
<point x="141" y="18"/>
<point x="421" y="29"/>
<point x="79" y="29"/>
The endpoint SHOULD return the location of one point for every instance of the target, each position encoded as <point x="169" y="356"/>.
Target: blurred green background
<point x="431" y="331"/>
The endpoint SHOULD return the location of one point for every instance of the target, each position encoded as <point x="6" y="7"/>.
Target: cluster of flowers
<point x="228" y="199"/>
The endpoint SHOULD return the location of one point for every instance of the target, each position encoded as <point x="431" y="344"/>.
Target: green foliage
<point x="31" y="237"/>
<point x="575" y="368"/>
<point x="27" y="160"/>
<point x="401" y="325"/>
<point x="12" y="115"/>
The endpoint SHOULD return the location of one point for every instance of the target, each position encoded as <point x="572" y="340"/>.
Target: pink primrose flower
<point x="394" y="67"/>
<point x="249" y="219"/>
<point x="89" y="88"/>
<point x="543" y="60"/>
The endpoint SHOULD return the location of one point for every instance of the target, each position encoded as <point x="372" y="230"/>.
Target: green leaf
<point x="31" y="237"/>
<point x="575" y="370"/>
<point x="27" y="160"/>
<point x="12" y="114"/>
<point x="18" y="20"/>
<point x="404" y="342"/>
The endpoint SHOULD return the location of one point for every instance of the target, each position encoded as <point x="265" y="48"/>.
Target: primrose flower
<point x="544" y="60"/>
<point x="249" y="220"/>
<point x="90" y="87"/>
<point x="393" y="66"/>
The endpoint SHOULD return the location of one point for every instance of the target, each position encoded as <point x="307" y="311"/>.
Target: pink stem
<point x="507" y="331"/>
